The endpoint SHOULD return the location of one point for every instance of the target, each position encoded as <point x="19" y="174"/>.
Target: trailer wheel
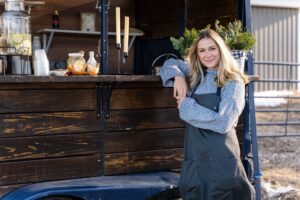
<point x="170" y="194"/>
<point x="59" y="198"/>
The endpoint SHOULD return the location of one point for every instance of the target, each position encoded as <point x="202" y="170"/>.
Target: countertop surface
<point x="77" y="78"/>
<point x="84" y="78"/>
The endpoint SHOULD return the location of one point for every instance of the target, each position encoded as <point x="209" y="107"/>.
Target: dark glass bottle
<point x="55" y="20"/>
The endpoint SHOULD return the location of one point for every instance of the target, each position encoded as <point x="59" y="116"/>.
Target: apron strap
<point x="219" y="91"/>
<point x="198" y="83"/>
<point x="194" y="89"/>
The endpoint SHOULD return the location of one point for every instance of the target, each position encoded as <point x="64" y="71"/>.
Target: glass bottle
<point x="92" y="67"/>
<point x="16" y="28"/>
<point x="55" y="20"/>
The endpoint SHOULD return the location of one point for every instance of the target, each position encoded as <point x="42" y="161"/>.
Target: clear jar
<point x="15" y="23"/>
<point x="76" y="63"/>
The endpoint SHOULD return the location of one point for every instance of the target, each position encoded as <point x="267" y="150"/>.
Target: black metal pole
<point x="182" y="17"/>
<point x="103" y="10"/>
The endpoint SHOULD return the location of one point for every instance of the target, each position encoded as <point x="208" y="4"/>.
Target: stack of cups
<point x="40" y="63"/>
<point x="40" y="60"/>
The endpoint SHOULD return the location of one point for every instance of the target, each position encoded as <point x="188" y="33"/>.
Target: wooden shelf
<point x="49" y="33"/>
<point x="132" y="32"/>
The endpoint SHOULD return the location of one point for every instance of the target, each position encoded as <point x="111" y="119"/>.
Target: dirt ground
<point x="279" y="156"/>
<point x="280" y="164"/>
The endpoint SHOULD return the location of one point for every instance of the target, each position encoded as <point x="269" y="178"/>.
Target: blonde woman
<point x="210" y="90"/>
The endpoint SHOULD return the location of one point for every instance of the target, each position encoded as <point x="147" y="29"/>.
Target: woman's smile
<point x="209" y="53"/>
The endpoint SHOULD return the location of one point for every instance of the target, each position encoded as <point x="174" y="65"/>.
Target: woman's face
<point x="209" y="53"/>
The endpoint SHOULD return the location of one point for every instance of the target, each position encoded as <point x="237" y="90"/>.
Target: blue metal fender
<point x="125" y="187"/>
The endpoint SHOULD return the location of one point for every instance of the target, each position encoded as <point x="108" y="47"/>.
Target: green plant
<point x="235" y="35"/>
<point x="183" y="43"/>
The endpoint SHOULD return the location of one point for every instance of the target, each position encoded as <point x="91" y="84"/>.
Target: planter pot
<point x="240" y="57"/>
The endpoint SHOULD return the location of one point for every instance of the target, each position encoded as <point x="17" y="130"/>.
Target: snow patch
<point x="275" y="192"/>
<point x="271" y="102"/>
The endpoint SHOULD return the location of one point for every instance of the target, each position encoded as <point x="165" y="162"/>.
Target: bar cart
<point x="110" y="136"/>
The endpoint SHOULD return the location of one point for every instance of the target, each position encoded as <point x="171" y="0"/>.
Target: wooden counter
<point x="50" y="128"/>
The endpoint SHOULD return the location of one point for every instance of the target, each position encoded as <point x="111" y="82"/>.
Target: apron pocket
<point x="226" y="178"/>
<point x="194" y="178"/>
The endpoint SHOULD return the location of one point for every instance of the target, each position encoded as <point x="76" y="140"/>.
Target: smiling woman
<point x="211" y="166"/>
<point x="209" y="53"/>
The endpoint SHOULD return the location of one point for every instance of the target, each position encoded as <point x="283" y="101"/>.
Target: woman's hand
<point x="179" y="100"/>
<point x="180" y="87"/>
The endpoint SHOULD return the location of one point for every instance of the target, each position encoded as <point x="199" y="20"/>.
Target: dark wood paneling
<point x="142" y="161"/>
<point x="151" y="13"/>
<point x="142" y="98"/>
<point x="158" y="18"/>
<point x="161" y="30"/>
<point x="200" y="13"/>
<point x="49" y="169"/>
<point x="22" y="148"/>
<point x="47" y="100"/>
<point x="47" y="86"/>
<point x="82" y="99"/>
<point x="12" y="125"/>
<point x="78" y="122"/>
<point x="117" y="142"/>
<point x="144" y="119"/>
<point x="157" y="84"/>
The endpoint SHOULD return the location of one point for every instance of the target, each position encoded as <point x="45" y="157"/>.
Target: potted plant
<point x="237" y="38"/>
<point x="183" y="43"/>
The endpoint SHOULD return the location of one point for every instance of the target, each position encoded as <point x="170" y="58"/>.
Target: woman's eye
<point x="200" y="51"/>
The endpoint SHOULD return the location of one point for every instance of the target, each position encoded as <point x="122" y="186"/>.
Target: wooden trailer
<point x="58" y="128"/>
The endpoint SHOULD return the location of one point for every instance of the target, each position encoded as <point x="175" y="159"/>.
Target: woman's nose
<point x="207" y="54"/>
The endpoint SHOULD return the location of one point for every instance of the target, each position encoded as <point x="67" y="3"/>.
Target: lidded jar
<point x="15" y="23"/>
<point x="76" y="63"/>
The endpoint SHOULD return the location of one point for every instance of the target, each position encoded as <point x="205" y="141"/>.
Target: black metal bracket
<point x="103" y="94"/>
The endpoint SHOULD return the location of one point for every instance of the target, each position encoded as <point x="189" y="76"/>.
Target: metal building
<point x="276" y="52"/>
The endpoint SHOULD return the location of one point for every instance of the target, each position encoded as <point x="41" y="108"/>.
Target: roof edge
<point x="275" y="4"/>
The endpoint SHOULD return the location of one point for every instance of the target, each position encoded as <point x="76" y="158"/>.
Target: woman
<point x="211" y="167"/>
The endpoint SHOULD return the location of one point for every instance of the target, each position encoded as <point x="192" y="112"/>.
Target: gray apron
<point x="211" y="168"/>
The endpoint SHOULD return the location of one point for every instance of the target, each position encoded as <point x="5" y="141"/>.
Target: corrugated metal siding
<point x="276" y="32"/>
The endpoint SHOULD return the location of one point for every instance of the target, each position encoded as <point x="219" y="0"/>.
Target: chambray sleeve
<point x="231" y="106"/>
<point x="172" y="68"/>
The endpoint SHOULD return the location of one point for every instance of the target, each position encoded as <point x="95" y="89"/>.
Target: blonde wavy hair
<point x="227" y="67"/>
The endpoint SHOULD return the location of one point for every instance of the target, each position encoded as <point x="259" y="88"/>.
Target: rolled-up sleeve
<point x="230" y="107"/>
<point x="172" y="68"/>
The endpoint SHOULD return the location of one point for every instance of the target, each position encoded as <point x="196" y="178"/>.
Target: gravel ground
<point x="279" y="156"/>
<point x="280" y="163"/>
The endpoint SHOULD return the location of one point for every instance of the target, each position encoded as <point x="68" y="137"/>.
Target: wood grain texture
<point x="30" y="171"/>
<point x="134" y="141"/>
<point x="144" y="119"/>
<point x="23" y="148"/>
<point x="142" y="98"/>
<point x="52" y="123"/>
<point x="142" y="161"/>
<point x="46" y="86"/>
<point x="47" y="100"/>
